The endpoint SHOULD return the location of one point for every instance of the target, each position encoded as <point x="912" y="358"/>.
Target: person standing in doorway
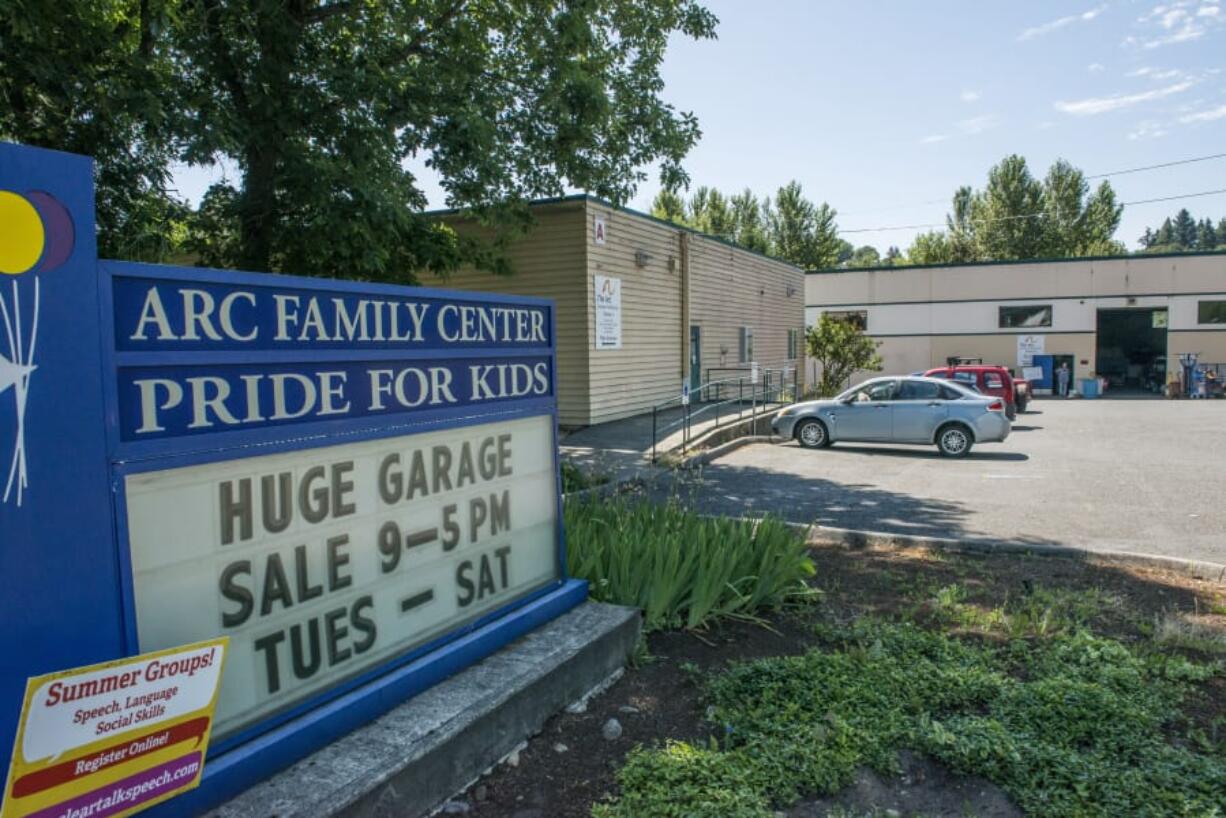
<point x="1062" y="380"/>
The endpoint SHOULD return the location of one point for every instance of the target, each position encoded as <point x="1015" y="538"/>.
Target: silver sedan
<point x="927" y="411"/>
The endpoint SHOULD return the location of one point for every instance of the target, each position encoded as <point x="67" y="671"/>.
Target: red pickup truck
<point x="990" y="380"/>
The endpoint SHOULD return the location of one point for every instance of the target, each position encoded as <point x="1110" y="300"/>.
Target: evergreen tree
<point x="1166" y="235"/>
<point x="1185" y="230"/>
<point x="1206" y="236"/>
<point x="1221" y="232"/>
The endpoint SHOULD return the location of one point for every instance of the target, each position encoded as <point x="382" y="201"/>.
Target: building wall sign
<point x="1029" y="346"/>
<point x="608" y="294"/>
<point x="355" y="484"/>
<point x="600" y="229"/>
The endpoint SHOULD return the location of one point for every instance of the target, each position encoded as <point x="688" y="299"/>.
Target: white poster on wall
<point x="608" y="312"/>
<point x="1029" y="346"/>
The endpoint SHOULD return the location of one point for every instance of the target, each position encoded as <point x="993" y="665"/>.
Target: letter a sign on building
<point x="356" y="485"/>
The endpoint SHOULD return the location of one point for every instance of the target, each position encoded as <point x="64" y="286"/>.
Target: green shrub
<point x="682" y="569"/>
<point x="1083" y="731"/>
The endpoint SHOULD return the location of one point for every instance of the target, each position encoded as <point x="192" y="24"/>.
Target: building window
<point x="793" y="344"/>
<point x="746" y="344"/>
<point x="857" y="318"/>
<point x="1211" y="312"/>
<point x="1038" y="315"/>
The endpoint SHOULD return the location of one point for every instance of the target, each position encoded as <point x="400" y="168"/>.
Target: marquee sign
<point x="355" y="484"/>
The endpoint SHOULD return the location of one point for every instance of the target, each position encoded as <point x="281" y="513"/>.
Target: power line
<point x="1122" y="172"/>
<point x="1156" y="167"/>
<point x="1027" y="215"/>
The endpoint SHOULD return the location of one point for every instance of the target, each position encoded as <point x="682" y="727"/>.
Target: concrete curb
<point x="722" y="449"/>
<point x="1197" y="569"/>
<point x="411" y="760"/>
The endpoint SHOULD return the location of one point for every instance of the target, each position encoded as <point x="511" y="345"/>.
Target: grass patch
<point x="1174" y="631"/>
<point x="576" y="479"/>
<point x="682" y="569"/>
<point x="1067" y="723"/>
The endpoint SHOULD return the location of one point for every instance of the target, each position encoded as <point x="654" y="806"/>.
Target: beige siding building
<point x="692" y="307"/>
<point x="1123" y="318"/>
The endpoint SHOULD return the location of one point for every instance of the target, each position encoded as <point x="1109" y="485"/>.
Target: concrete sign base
<point x="412" y="759"/>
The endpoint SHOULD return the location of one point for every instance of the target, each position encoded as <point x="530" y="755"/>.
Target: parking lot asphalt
<point x="1146" y="476"/>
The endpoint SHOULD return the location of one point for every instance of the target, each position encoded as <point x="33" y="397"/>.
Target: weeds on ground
<point x="576" y="479"/>
<point x="682" y="569"/>
<point x="1067" y="722"/>
<point x="1174" y="631"/>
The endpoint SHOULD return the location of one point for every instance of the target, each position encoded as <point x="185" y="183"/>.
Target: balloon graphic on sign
<point x="36" y="237"/>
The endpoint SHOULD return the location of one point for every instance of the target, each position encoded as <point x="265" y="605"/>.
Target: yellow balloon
<point x="21" y="234"/>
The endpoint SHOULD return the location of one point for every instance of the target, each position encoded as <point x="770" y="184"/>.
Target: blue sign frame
<point x="176" y="338"/>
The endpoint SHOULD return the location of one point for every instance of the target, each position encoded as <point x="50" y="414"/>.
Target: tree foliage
<point x="789" y="227"/>
<point x="1017" y="216"/>
<point x="840" y="349"/>
<point x="323" y="105"/>
<point x="93" y="80"/>
<point x="1185" y="234"/>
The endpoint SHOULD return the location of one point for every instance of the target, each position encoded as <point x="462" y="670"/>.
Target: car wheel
<point x="955" y="441"/>
<point x="812" y="434"/>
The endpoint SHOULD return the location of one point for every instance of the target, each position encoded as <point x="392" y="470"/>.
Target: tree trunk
<point x="257" y="209"/>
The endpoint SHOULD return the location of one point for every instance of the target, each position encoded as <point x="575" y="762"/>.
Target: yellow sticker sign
<point x="113" y="739"/>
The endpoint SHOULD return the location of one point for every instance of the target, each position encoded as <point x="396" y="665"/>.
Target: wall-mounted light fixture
<point x="672" y="264"/>
<point x="791" y="291"/>
<point x="641" y="258"/>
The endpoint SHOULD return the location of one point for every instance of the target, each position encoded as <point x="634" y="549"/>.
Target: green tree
<point x="323" y="104"/>
<point x="803" y="233"/>
<point x="92" y="78"/>
<point x="1100" y="221"/>
<point x="962" y="246"/>
<point x="866" y="256"/>
<point x="840" y="349"/>
<point x="1206" y="236"/>
<point x="893" y="257"/>
<point x="670" y="206"/>
<point x="1185" y="229"/>
<point x="711" y="214"/>
<point x="1005" y="216"/>
<point x="932" y="247"/>
<point x="1165" y="237"/>
<point x="1019" y="217"/>
<point x="1221" y="232"/>
<point x="749" y="224"/>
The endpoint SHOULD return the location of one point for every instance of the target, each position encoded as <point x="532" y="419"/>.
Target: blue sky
<point x="883" y="109"/>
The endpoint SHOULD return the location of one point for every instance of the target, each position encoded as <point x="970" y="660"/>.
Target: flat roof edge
<point x="1004" y="262"/>
<point x="589" y="198"/>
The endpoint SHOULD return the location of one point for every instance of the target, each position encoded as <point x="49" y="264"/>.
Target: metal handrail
<point x="769" y="395"/>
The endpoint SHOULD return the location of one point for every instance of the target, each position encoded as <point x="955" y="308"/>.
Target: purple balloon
<point x="60" y="233"/>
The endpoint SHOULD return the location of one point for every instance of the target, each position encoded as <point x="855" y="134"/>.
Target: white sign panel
<point x="1029" y="346"/>
<point x="322" y="563"/>
<point x="599" y="229"/>
<point x="608" y="312"/>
